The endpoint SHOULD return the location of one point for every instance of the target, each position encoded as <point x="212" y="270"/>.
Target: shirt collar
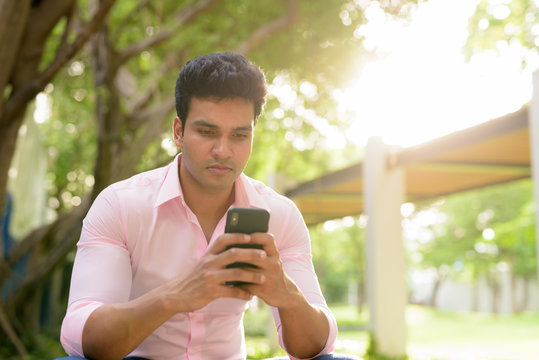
<point x="170" y="187"/>
<point x="247" y="194"/>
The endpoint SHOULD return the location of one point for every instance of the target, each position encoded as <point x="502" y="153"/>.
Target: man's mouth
<point x="219" y="169"/>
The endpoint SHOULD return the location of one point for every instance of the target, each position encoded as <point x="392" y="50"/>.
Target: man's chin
<point x="218" y="186"/>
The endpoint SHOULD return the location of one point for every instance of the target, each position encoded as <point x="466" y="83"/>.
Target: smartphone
<point x="245" y="221"/>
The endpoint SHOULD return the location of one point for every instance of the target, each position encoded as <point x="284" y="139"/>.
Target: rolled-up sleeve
<point x="295" y="252"/>
<point x="101" y="271"/>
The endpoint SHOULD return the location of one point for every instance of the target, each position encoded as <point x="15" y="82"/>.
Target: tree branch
<point x="264" y="32"/>
<point x="62" y="235"/>
<point x="30" y="90"/>
<point x="32" y="240"/>
<point x="133" y="13"/>
<point x="153" y="128"/>
<point x="143" y="99"/>
<point x="13" y="17"/>
<point x="23" y="247"/>
<point x="12" y="335"/>
<point x="155" y="113"/>
<point x="69" y="21"/>
<point x="182" y="18"/>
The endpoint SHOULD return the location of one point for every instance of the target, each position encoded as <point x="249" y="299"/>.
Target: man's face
<point x="216" y="142"/>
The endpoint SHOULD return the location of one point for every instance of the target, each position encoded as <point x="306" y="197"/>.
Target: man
<point x="149" y="278"/>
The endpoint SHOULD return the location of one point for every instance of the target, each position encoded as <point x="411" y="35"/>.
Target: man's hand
<point x="207" y="281"/>
<point x="277" y="288"/>
<point x="305" y="328"/>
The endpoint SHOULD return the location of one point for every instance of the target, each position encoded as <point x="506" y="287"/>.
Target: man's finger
<point x="242" y="255"/>
<point x="244" y="275"/>
<point x="227" y="239"/>
<point x="267" y="241"/>
<point x="236" y="292"/>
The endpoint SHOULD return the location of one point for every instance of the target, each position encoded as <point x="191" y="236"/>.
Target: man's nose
<point x="222" y="148"/>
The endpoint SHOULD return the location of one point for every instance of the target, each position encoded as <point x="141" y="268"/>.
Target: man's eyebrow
<point x="210" y="125"/>
<point x="204" y="123"/>
<point x="244" y="128"/>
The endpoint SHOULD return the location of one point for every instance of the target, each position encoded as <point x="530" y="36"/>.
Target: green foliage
<point x="510" y="22"/>
<point x="69" y="136"/>
<point x="338" y="257"/>
<point x="322" y="51"/>
<point x="258" y="348"/>
<point x="481" y="231"/>
<point x="255" y="321"/>
<point x="517" y="242"/>
<point x="349" y="318"/>
<point x="44" y="346"/>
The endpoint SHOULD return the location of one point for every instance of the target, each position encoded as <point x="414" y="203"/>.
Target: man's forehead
<point x="198" y="104"/>
<point x="206" y="123"/>
<point x="218" y="99"/>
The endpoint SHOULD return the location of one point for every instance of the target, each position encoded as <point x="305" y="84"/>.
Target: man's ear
<point x="177" y="132"/>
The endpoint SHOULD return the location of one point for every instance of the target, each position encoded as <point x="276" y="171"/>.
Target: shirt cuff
<point x="332" y="336"/>
<point x="73" y="325"/>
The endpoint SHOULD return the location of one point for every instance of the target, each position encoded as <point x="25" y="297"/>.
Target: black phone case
<point x="245" y="221"/>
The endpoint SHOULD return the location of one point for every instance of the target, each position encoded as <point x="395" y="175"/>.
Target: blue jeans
<point x="321" y="357"/>
<point x="79" y="358"/>
<point x="325" y="357"/>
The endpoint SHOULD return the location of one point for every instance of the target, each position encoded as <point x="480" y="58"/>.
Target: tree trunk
<point x="523" y="304"/>
<point x="8" y="138"/>
<point x="6" y="326"/>
<point x="21" y="66"/>
<point x="495" y="290"/>
<point x="361" y="294"/>
<point x="52" y="246"/>
<point x="434" y="293"/>
<point x="514" y="292"/>
<point x="475" y="297"/>
<point x="13" y="17"/>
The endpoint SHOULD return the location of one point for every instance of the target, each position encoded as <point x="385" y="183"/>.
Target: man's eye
<point x="241" y="135"/>
<point x="206" y="131"/>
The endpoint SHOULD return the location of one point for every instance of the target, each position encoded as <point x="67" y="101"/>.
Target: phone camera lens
<point x="235" y="219"/>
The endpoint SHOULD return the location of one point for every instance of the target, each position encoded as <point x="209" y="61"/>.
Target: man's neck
<point x="205" y="203"/>
<point x="208" y="206"/>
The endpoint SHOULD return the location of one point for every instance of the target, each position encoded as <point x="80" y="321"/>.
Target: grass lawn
<point x="435" y="335"/>
<point x="472" y="335"/>
<point x="439" y="335"/>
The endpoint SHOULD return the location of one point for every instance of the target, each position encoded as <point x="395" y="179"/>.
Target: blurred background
<point x="88" y="100"/>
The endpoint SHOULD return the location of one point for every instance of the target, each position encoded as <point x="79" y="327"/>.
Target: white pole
<point x="386" y="279"/>
<point x="533" y="124"/>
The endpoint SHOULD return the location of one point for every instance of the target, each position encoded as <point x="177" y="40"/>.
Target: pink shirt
<point x="139" y="233"/>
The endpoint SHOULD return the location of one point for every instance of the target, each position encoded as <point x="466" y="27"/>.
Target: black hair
<point x="223" y="76"/>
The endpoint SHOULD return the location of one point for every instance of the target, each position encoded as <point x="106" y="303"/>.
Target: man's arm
<point x="114" y="330"/>
<point x="305" y="328"/>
